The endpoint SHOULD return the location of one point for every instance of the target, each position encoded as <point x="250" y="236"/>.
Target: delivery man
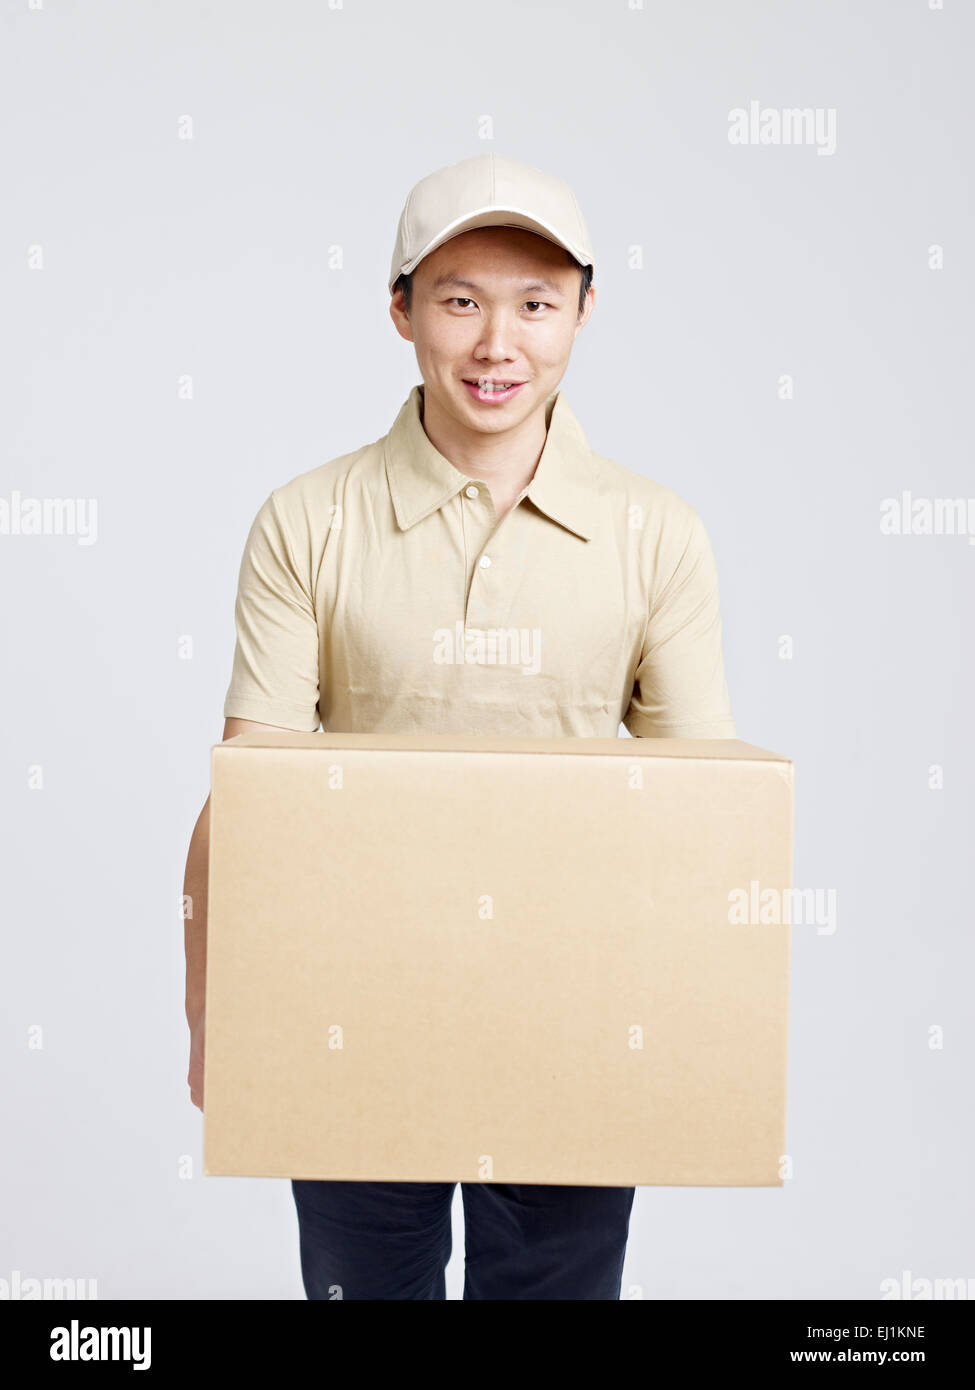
<point x="477" y="569"/>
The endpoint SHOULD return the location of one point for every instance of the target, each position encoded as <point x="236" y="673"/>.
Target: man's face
<point x="497" y="304"/>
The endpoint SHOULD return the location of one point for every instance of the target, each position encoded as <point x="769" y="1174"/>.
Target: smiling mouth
<point x="486" y="386"/>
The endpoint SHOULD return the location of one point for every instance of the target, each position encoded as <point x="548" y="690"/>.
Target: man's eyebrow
<point x="455" y="282"/>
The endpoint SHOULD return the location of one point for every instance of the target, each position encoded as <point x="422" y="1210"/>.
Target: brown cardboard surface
<point x="442" y="958"/>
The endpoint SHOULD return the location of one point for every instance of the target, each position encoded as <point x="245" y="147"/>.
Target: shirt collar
<point x="421" y="479"/>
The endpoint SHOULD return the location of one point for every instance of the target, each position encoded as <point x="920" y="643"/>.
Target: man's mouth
<point x="484" y="388"/>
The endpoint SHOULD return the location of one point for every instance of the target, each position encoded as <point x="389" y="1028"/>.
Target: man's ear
<point x="397" y="312"/>
<point x="587" y="308"/>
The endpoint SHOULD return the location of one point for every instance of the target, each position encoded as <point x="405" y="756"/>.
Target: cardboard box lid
<point x="721" y="749"/>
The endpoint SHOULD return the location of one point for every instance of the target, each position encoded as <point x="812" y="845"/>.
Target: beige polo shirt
<point x="380" y="593"/>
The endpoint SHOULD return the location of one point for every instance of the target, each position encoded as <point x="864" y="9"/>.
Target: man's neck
<point x="506" y="460"/>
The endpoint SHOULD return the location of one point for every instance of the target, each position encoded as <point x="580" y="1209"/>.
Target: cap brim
<point x="493" y="217"/>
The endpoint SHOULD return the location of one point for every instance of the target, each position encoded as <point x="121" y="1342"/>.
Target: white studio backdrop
<point x="200" y="203"/>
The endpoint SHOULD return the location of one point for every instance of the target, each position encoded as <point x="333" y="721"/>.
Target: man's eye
<point x="535" y="304"/>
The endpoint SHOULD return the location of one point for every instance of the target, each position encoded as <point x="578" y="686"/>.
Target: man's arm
<point x="274" y="686"/>
<point x="680" y="690"/>
<point x="195" y="926"/>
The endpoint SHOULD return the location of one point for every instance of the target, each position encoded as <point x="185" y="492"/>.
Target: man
<point x="477" y="569"/>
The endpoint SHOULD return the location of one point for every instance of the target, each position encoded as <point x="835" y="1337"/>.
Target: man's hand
<point x="195" y="922"/>
<point x="194" y="1076"/>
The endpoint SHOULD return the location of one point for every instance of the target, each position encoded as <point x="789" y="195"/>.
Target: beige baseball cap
<point x="486" y="191"/>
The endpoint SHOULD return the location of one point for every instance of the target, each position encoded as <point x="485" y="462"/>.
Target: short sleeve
<point x="679" y="688"/>
<point x="275" y="672"/>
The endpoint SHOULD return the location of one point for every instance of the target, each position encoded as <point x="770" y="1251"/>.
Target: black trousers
<point x="366" y="1240"/>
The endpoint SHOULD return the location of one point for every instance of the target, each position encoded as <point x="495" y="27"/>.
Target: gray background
<point x="166" y="257"/>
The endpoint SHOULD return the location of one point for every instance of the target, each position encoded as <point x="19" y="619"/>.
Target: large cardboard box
<point x="517" y="960"/>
